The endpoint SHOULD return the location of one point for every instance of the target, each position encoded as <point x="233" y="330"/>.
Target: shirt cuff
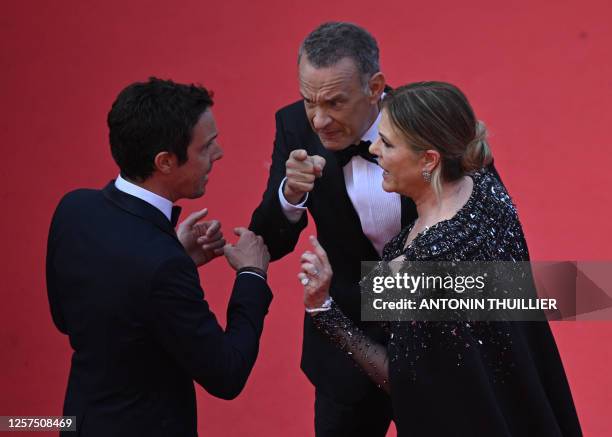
<point x="252" y="273"/>
<point x="292" y="212"/>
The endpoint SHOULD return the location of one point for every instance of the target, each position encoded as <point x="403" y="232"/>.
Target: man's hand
<point x="249" y="251"/>
<point x="301" y="171"/>
<point x="203" y="241"/>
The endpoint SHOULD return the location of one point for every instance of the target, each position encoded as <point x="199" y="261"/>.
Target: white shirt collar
<point x="159" y="202"/>
<point x="372" y="133"/>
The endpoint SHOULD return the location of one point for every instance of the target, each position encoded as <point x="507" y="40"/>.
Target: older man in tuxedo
<point x="127" y="293"/>
<point x="321" y="162"/>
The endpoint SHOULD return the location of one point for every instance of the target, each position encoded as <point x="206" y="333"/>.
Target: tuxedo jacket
<point x="123" y="289"/>
<point x="339" y="231"/>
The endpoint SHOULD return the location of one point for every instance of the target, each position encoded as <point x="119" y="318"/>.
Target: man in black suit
<point x="127" y="293"/>
<point x="321" y="162"/>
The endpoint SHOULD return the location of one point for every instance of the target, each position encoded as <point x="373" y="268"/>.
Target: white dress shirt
<point x="159" y="202"/>
<point x="379" y="212"/>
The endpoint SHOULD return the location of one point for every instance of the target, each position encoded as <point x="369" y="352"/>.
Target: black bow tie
<point x="361" y="149"/>
<point x="174" y="217"/>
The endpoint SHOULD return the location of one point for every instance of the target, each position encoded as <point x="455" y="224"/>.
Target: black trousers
<point x="370" y="417"/>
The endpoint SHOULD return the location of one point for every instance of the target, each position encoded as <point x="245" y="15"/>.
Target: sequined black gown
<point x="459" y="378"/>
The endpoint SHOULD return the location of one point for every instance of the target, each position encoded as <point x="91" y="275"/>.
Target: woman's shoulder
<point x="492" y="203"/>
<point x="491" y="192"/>
<point x="395" y="246"/>
<point x="476" y="230"/>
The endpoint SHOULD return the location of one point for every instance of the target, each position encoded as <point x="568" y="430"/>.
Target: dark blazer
<point x="339" y="231"/>
<point x="123" y="289"/>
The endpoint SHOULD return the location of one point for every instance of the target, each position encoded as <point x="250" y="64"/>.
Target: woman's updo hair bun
<point x="477" y="153"/>
<point x="437" y="115"/>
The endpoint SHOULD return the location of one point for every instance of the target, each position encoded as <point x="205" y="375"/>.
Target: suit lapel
<point x="138" y="207"/>
<point x="333" y="184"/>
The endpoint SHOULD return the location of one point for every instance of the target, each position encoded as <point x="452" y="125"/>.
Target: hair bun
<point x="477" y="154"/>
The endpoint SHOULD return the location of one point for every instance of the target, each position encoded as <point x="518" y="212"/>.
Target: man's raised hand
<point x="203" y="241"/>
<point x="301" y="170"/>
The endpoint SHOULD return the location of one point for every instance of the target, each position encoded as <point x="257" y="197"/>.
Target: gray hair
<point x="333" y="41"/>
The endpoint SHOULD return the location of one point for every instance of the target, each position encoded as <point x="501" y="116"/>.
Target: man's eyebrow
<point x="211" y="139"/>
<point x="337" y="96"/>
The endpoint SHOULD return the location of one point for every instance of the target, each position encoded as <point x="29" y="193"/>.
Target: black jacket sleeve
<point x="268" y="220"/>
<point x="220" y="361"/>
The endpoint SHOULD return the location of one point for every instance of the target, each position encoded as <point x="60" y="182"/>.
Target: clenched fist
<point x="249" y="251"/>
<point x="301" y="171"/>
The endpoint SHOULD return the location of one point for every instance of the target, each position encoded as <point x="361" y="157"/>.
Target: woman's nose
<point x="375" y="148"/>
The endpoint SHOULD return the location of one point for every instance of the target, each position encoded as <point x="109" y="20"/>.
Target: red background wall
<point x="537" y="72"/>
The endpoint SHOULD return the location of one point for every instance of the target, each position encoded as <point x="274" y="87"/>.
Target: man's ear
<point x="376" y="86"/>
<point x="164" y="162"/>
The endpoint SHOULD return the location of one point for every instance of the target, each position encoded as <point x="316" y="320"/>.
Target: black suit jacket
<point x="121" y="286"/>
<point x="339" y="231"/>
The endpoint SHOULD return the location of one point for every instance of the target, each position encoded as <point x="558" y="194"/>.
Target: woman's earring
<point x="426" y="175"/>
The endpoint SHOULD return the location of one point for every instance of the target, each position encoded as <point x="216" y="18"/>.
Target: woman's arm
<point x="369" y="355"/>
<point x="316" y="277"/>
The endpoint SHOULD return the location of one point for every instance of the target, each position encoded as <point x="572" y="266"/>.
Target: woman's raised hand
<point x="315" y="275"/>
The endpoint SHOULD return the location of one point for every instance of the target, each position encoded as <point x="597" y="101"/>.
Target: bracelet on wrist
<point x="326" y="306"/>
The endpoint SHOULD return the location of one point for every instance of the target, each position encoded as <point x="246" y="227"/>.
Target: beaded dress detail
<point x="481" y="367"/>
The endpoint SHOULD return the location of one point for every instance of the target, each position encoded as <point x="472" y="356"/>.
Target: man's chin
<point x="334" y="144"/>
<point x="197" y="194"/>
<point x="386" y="186"/>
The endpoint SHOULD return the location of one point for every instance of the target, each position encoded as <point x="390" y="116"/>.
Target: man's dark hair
<point x="151" y="117"/>
<point x="331" y="42"/>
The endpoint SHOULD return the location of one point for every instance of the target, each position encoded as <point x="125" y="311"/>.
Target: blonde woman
<point x="456" y="378"/>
